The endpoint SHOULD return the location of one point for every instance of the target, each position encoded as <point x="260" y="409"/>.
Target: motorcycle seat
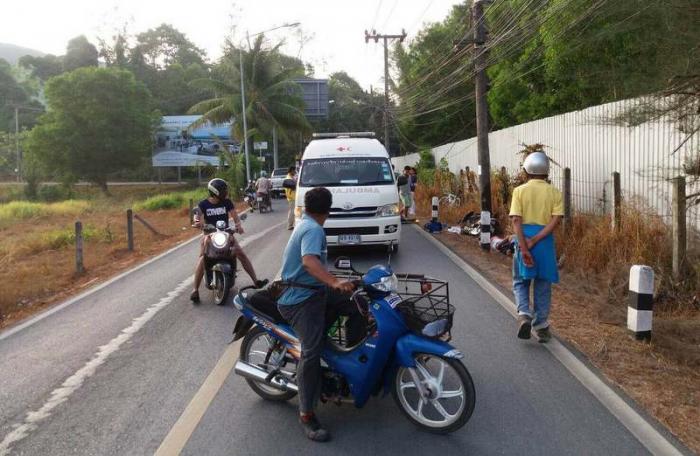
<point x="263" y="304"/>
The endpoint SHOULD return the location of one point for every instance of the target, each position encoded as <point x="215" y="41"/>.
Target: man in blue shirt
<point x="314" y="297"/>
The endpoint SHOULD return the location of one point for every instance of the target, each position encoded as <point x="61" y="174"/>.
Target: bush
<point x="175" y="200"/>
<point x="22" y="210"/>
<point x="52" y="193"/>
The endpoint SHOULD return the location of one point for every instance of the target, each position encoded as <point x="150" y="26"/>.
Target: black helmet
<point x="218" y="187"/>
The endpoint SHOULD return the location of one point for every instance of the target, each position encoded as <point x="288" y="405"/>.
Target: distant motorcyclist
<point x="219" y="207"/>
<point x="264" y="187"/>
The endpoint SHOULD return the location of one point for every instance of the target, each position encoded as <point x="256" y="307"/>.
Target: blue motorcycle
<point x="405" y="350"/>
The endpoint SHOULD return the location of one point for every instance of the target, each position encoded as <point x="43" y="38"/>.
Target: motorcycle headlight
<point x="387" y="284"/>
<point x="219" y="240"/>
<point x="390" y="210"/>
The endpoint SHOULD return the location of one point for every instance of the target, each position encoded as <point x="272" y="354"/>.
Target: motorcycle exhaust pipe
<point x="252" y="372"/>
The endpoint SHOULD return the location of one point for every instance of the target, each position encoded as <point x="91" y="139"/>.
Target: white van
<point x="356" y="169"/>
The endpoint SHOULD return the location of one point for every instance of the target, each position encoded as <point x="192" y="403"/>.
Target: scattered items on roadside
<point x="455" y="230"/>
<point x="504" y="245"/>
<point x="433" y="226"/>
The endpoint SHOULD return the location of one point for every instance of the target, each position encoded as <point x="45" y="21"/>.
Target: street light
<point x="245" y="122"/>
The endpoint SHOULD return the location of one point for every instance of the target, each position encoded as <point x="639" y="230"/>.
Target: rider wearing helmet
<point x="536" y="209"/>
<point x="219" y="207"/>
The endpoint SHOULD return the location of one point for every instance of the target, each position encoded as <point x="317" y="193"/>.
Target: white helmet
<point x="263" y="173"/>
<point x="537" y="163"/>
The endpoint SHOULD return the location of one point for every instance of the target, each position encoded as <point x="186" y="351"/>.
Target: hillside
<point x="12" y="52"/>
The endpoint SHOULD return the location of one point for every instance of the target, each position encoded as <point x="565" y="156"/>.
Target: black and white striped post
<point x="639" y="308"/>
<point x="485" y="230"/>
<point x="435" y="214"/>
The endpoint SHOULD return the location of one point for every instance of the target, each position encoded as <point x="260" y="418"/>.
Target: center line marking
<point x="181" y="432"/>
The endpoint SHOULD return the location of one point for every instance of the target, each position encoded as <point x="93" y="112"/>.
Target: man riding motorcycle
<point x="264" y="187"/>
<point x="314" y="298"/>
<point x="219" y="207"/>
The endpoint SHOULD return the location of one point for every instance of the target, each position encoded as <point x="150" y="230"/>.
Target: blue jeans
<point x="542" y="297"/>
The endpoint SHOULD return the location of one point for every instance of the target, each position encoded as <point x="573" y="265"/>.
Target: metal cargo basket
<point x="425" y="305"/>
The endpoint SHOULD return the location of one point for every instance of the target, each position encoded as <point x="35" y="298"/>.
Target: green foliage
<point x="12" y="94"/>
<point x="435" y="88"/>
<point x="352" y="108"/>
<point x="79" y="53"/>
<point x="426" y="159"/>
<point x="272" y="98"/>
<point x="53" y="193"/>
<point x="22" y="210"/>
<point x="174" y="200"/>
<point x="581" y="55"/>
<point x="107" y="128"/>
<point x="44" y="67"/>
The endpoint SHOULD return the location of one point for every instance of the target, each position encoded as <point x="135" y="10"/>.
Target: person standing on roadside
<point x="291" y="195"/>
<point x="404" y="185"/>
<point x="412" y="182"/>
<point x="535" y="210"/>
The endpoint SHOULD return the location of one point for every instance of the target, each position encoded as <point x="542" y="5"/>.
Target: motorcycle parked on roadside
<point x="405" y="350"/>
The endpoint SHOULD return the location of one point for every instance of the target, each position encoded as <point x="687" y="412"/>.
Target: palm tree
<point x="273" y="99"/>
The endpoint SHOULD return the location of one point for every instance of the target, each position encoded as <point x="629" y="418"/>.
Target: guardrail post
<point x="190" y="211"/>
<point x="567" y="199"/>
<point x="130" y="229"/>
<point x="435" y="214"/>
<point x="79" y="267"/>
<point x="641" y="297"/>
<point x="679" y="228"/>
<point x="617" y="202"/>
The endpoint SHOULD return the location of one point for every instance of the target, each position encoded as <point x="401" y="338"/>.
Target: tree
<point x="79" y="53"/>
<point x="272" y="98"/>
<point x="163" y="46"/>
<point x="351" y="108"/>
<point x="108" y="128"/>
<point x="166" y="61"/>
<point x="43" y="67"/>
<point x="12" y="94"/>
<point x="435" y="84"/>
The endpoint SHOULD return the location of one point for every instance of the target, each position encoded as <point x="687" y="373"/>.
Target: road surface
<point x="113" y="372"/>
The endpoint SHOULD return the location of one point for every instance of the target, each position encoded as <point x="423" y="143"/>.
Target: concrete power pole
<point x="482" y="119"/>
<point x="19" y="158"/>
<point x="375" y="36"/>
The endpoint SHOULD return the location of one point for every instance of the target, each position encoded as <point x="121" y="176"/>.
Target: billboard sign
<point x="178" y="145"/>
<point x="315" y="94"/>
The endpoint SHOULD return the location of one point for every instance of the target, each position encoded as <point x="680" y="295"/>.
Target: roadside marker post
<point x="435" y="209"/>
<point x="130" y="229"/>
<point x="79" y="267"/>
<point x="641" y="296"/>
<point x="486" y="230"/>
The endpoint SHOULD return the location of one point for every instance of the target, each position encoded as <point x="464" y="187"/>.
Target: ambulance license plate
<point x="349" y="239"/>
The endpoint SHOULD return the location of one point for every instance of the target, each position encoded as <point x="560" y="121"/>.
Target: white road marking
<point x="652" y="439"/>
<point x="75" y="381"/>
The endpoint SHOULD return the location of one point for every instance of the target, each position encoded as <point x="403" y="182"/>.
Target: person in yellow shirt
<point x="291" y="197"/>
<point x="535" y="211"/>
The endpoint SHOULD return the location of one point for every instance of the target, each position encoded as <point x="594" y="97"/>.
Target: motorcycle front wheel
<point x="260" y="349"/>
<point x="450" y="394"/>
<point x="223" y="285"/>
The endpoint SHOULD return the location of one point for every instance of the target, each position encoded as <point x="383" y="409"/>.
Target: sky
<point x="332" y="31"/>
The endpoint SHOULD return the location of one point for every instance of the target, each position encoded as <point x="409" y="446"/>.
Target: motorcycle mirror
<point x="344" y="264"/>
<point x="243" y="216"/>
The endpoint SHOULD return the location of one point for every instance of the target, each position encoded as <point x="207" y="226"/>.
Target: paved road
<point x="112" y="373"/>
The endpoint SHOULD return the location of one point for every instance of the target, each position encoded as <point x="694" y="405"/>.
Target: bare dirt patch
<point x="34" y="276"/>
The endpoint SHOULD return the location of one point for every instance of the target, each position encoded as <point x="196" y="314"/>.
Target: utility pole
<point x="245" y="121"/>
<point x="482" y="118"/>
<point x="375" y="36"/>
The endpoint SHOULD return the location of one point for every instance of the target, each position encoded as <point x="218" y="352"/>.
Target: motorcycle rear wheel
<point x="254" y="350"/>
<point x="223" y="285"/>
<point x="446" y="380"/>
